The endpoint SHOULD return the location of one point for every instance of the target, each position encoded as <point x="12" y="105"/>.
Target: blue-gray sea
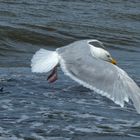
<point x="33" y="109"/>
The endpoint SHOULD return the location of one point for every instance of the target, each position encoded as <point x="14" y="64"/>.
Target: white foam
<point x="22" y="118"/>
<point x="38" y="137"/>
<point x="36" y="124"/>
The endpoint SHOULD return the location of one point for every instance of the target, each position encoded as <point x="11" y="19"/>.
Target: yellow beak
<point x="113" y="61"/>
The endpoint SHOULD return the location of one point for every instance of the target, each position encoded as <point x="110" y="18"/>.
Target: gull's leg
<point x="53" y="76"/>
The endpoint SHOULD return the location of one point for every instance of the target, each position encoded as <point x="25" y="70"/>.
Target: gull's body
<point x="90" y="66"/>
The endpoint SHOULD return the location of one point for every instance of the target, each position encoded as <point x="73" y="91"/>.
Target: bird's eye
<point x="108" y="55"/>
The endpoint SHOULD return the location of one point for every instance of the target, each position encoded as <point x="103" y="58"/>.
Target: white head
<point x="101" y="53"/>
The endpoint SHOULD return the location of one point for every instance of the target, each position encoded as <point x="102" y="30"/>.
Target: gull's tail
<point x="44" y="61"/>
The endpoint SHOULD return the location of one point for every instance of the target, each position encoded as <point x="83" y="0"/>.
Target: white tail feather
<point x="44" y="61"/>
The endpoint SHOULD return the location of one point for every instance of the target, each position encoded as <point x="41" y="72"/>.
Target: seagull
<point x="91" y="65"/>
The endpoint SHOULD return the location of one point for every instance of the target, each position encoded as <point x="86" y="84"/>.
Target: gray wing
<point x="105" y="78"/>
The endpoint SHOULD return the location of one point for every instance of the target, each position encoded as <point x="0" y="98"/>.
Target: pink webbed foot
<point x="53" y="76"/>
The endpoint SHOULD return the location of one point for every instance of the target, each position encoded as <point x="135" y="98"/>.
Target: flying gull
<point x="88" y="63"/>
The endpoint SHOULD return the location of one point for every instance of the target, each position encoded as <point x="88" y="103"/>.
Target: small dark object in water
<point x="1" y="89"/>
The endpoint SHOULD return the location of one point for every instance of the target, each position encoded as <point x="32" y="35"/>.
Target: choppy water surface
<point x="32" y="109"/>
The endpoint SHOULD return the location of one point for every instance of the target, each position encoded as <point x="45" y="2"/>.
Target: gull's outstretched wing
<point x="105" y="78"/>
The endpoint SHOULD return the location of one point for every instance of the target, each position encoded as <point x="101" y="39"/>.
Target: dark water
<point x="32" y="109"/>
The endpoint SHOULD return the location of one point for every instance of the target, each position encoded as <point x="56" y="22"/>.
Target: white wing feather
<point x="123" y="89"/>
<point x="44" y="60"/>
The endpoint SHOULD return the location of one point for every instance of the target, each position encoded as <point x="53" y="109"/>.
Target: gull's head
<point x="102" y="54"/>
<point x="105" y="55"/>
